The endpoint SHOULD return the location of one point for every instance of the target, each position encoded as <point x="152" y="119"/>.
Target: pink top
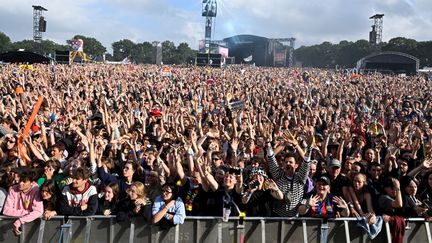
<point x="27" y="206"/>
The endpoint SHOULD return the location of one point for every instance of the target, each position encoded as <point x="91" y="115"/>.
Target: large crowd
<point x="130" y="141"/>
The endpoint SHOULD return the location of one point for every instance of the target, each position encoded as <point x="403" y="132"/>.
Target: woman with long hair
<point x="9" y="150"/>
<point x="129" y="171"/>
<point x="136" y="204"/>
<point x="260" y="193"/>
<point x="360" y="205"/>
<point x="109" y="201"/>
<point x="168" y="208"/>
<point x="361" y="202"/>
<point x="49" y="193"/>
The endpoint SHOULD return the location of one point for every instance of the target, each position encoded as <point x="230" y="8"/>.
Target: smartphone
<point x="254" y="184"/>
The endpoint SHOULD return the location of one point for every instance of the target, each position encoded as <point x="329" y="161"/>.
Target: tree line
<point x="347" y="53"/>
<point x="136" y="52"/>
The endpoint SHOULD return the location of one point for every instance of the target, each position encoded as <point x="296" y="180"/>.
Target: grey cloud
<point x="310" y="21"/>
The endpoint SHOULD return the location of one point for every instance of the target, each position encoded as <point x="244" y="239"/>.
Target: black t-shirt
<point x="215" y="202"/>
<point x="194" y="199"/>
<point x="260" y="204"/>
<point x="385" y="206"/>
<point x="337" y="184"/>
<point x="104" y="205"/>
<point x="375" y="189"/>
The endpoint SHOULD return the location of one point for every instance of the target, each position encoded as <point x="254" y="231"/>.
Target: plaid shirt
<point x="292" y="188"/>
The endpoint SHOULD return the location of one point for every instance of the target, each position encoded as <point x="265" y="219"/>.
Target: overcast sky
<point x="309" y="21"/>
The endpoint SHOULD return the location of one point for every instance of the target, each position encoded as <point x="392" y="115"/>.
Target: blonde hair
<point x="363" y="176"/>
<point x="140" y="189"/>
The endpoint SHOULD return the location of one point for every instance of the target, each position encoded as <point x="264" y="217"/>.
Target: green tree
<point x="28" y="45"/>
<point x="169" y="52"/>
<point x="46" y="47"/>
<point x="5" y="42"/>
<point x="401" y="44"/>
<point x="184" y="53"/>
<point x="424" y="53"/>
<point x="123" y="49"/>
<point x="149" y="52"/>
<point x="345" y="54"/>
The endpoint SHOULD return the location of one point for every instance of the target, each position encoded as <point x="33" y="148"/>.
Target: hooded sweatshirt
<point x="72" y="200"/>
<point x="27" y="206"/>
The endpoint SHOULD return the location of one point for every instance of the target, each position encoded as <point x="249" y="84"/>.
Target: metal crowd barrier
<point x="97" y="229"/>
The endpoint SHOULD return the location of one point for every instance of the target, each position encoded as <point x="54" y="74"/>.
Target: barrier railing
<point x="97" y="229"/>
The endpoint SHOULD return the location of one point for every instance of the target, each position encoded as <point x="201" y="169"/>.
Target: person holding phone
<point x="411" y="205"/>
<point x="260" y="194"/>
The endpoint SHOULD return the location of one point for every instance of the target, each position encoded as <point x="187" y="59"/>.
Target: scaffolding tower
<point x="377" y="29"/>
<point x="39" y="23"/>
<point x="209" y="11"/>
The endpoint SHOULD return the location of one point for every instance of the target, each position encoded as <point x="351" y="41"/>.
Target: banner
<point x="166" y="72"/>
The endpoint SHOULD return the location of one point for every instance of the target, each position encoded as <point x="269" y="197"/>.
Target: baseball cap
<point x="324" y="179"/>
<point x="334" y="163"/>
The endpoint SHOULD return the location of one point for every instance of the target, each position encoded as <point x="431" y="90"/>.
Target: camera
<point x="235" y="171"/>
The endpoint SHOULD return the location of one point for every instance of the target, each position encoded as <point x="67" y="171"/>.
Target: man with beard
<point x="290" y="182"/>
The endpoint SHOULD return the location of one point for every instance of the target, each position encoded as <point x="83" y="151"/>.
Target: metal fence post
<point x="304" y="227"/>
<point x="263" y="231"/>
<point x="219" y="238"/>
<point x="347" y="233"/>
<point x="111" y="230"/>
<point x="387" y="226"/>
<point x="88" y="230"/>
<point x="176" y="235"/>
<point x="41" y="231"/>
<point x="428" y="232"/>
<point x="324" y="231"/>
<point x="197" y="230"/>
<point x="282" y="230"/>
<point x="132" y="231"/>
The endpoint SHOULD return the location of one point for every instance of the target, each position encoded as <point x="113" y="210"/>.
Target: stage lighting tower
<point x="209" y="11"/>
<point x="39" y="23"/>
<point x="377" y="29"/>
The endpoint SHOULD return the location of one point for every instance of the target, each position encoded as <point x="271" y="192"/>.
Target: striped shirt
<point x="292" y="188"/>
